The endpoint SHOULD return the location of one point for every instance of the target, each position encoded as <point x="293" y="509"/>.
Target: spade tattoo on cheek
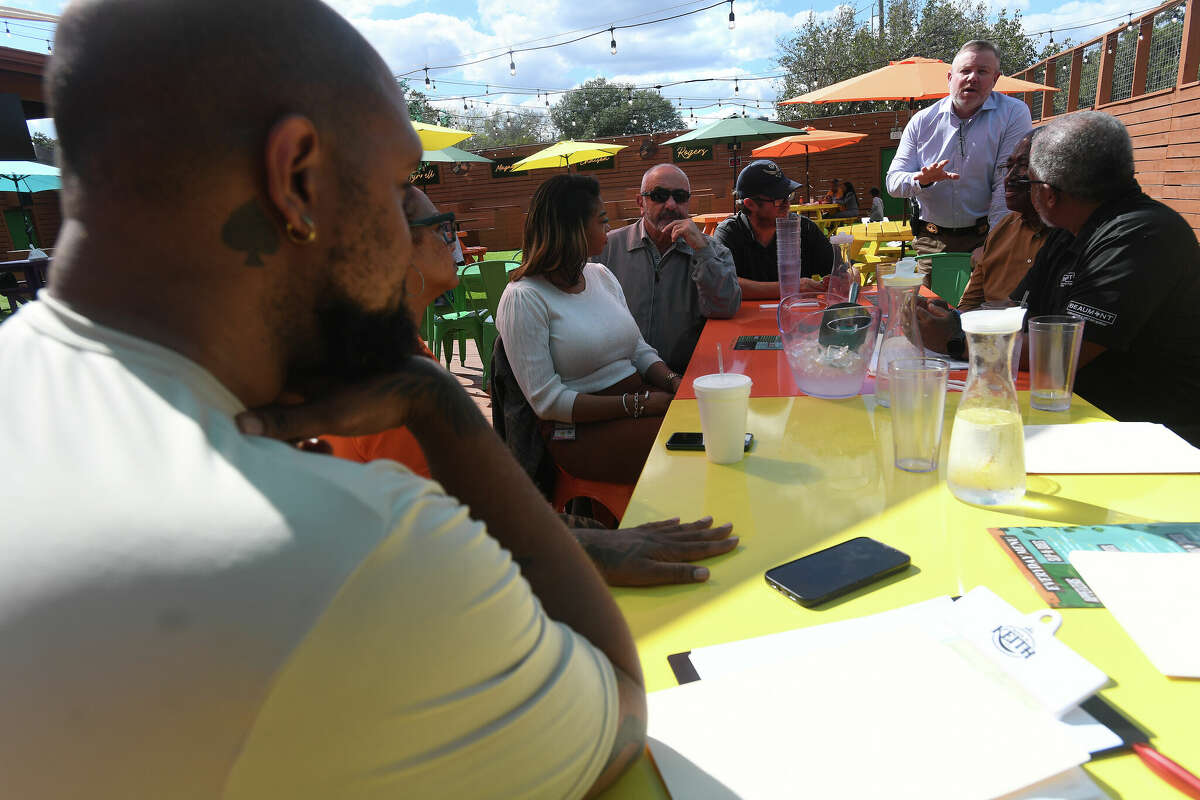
<point x="250" y="231"/>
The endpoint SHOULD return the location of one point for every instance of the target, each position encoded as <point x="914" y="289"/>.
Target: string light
<point x="512" y="65"/>
<point x="612" y="45"/>
<point x="631" y="97"/>
<point x="6" y="30"/>
<point x="732" y="23"/>
<point x="735" y="86"/>
<point x="48" y="50"/>
<point x="427" y="84"/>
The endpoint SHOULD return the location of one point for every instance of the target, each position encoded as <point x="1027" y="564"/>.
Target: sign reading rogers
<point x="691" y="152"/>
<point x="503" y="167"/>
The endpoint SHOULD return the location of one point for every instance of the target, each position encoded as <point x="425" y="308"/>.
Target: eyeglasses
<point x="443" y="223"/>
<point x="1025" y="183"/>
<point x="661" y="195"/>
<point x="778" y="202"/>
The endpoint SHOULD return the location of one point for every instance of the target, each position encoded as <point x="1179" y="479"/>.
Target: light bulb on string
<point x="691" y="113"/>
<point x="1051" y="37"/>
<point x="631" y="97"/>
<point x="512" y="65"/>
<point x="427" y="84"/>
<point x="434" y="84"/>
<point x="612" y="44"/>
<point x="486" y="89"/>
<point x="732" y="23"/>
<point x="735" y="86"/>
<point x="48" y="50"/>
<point x="6" y="30"/>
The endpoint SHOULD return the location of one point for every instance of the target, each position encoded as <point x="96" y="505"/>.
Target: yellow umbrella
<point x="435" y="137"/>
<point x="564" y="154"/>
<point x="910" y="79"/>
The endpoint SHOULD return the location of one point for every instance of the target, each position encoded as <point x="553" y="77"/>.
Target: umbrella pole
<point x="807" y="180"/>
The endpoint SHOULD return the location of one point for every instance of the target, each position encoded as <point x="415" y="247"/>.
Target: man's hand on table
<point x="657" y="552"/>
<point x="686" y="229"/>
<point x="935" y="172"/>
<point x="938" y="323"/>
<point x="810" y="285"/>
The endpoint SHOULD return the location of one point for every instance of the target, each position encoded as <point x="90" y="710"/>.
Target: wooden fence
<point x="1147" y="73"/>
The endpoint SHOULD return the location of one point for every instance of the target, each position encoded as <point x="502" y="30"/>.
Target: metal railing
<point x="1160" y="50"/>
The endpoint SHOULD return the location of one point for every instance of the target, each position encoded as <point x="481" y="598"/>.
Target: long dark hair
<point x="848" y="187"/>
<point x="556" y="243"/>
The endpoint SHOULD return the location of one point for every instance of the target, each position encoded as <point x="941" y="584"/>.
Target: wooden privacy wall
<point x="492" y="210"/>
<point x="1147" y="74"/>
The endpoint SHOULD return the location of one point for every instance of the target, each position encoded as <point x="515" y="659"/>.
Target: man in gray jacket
<point x="674" y="277"/>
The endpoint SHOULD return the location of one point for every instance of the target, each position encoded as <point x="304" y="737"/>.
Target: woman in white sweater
<point x="575" y="350"/>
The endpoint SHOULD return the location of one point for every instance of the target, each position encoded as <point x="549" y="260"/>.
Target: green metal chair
<point x="482" y="283"/>
<point x="458" y="323"/>
<point x="949" y="274"/>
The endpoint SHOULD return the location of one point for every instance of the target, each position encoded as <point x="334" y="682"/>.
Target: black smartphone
<point x="834" y="571"/>
<point x="682" y="440"/>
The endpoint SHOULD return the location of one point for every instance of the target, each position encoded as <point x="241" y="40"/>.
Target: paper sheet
<point x="1107" y="448"/>
<point x="896" y="715"/>
<point x="1155" y="597"/>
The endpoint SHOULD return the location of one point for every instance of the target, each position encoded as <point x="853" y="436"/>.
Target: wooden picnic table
<point x="709" y="222"/>
<point x="816" y="212"/>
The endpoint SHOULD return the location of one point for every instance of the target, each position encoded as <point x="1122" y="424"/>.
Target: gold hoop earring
<point x="420" y="275"/>
<point x="302" y="238"/>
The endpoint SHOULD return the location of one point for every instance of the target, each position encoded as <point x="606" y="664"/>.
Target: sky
<point x="413" y="34"/>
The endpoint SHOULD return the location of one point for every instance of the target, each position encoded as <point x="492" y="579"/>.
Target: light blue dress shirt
<point x="975" y="147"/>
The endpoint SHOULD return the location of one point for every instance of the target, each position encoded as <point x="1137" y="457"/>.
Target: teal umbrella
<point x="28" y="176"/>
<point x="734" y="130"/>
<point x="453" y="155"/>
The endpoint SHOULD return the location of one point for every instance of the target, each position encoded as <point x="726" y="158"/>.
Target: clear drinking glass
<point x="918" y="395"/>
<point x="1054" y="343"/>
<point x="902" y="336"/>
<point x="787" y="253"/>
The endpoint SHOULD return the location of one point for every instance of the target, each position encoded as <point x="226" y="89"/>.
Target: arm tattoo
<point x="250" y="231"/>
<point x="444" y="395"/>
<point x="630" y="733"/>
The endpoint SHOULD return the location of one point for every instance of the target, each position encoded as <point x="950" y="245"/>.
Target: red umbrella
<point x="806" y="140"/>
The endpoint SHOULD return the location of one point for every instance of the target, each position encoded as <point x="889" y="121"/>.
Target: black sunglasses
<point x="661" y="195"/>
<point x="444" y="223"/>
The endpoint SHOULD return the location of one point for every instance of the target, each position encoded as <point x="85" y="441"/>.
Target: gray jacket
<point x="670" y="303"/>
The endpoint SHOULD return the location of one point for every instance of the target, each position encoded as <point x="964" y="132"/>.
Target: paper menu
<point x="997" y="637"/>
<point x="1107" y="448"/>
<point x="1155" y="597"/>
<point x="925" y="721"/>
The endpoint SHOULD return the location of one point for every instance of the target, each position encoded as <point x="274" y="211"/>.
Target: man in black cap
<point x="764" y="193"/>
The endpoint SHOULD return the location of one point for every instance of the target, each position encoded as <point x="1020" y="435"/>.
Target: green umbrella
<point x="451" y="155"/>
<point x="28" y="176"/>
<point x="734" y="130"/>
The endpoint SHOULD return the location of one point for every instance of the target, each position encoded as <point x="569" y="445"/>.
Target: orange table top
<point x="710" y="221"/>
<point x="768" y="369"/>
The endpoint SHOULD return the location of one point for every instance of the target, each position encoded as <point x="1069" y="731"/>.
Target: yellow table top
<point x="881" y="231"/>
<point x="819" y="208"/>
<point x="821" y="472"/>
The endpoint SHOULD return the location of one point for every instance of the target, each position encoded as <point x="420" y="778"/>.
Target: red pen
<point x="1171" y="772"/>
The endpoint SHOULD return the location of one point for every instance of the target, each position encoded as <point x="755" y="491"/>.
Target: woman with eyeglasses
<point x="575" y="350"/>
<point x="431" y="274"/>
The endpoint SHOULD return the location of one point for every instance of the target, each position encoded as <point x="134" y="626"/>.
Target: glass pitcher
<point x="986" y="464"/>
<point x="902" y="336"/>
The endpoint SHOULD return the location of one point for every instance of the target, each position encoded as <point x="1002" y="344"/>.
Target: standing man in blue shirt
<point x="950" y="155"/>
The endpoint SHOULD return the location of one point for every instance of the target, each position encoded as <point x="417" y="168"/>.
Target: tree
<point x="599" y="108"/>
<point x="507" y="128"/>
<point x="41" y="140"/>
<point x="419" y="107"/>
<point x="818" y="54"/>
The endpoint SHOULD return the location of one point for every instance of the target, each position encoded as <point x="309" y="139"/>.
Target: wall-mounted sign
<point x="502" y="167"/>
<point x="691" y="152"/>
<point x="608" y="162"/>
<point x="426" y="175"/>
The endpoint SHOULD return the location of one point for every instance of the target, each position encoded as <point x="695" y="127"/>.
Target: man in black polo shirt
<point x="764" y="191"/>
<point x="1125" y="263"/>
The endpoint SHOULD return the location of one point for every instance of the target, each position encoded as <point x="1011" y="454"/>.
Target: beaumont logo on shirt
<point x="1091" y="314"/>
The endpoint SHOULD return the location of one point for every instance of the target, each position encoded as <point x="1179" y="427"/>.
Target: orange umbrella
<point x="806" y="140"/>
<point x="911" y="79"/>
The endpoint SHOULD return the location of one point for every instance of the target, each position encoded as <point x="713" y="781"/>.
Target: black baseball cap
<point x="765" y="178"/>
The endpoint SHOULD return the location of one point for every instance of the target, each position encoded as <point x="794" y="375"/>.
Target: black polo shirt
<point x="757" y="262"/>
<point x="1133" y="273"/>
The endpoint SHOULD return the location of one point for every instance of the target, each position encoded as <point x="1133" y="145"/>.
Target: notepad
<point x="897" y="715"/>
<point x="1155" y="597"/>
<point x="1107" y="448"/>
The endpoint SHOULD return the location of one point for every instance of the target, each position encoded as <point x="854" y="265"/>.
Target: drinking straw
<point x="720" y="361"/>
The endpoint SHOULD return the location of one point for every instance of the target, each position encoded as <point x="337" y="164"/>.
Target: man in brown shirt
<point x="1008" y="252"/>
<point x="997" y="267"/>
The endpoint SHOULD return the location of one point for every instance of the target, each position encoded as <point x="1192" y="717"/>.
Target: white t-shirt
<point x="561" y="345"/>
<point x="186" y="612"/>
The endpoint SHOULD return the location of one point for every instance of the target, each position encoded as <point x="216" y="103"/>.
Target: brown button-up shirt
<point x="1006" y="256"/>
